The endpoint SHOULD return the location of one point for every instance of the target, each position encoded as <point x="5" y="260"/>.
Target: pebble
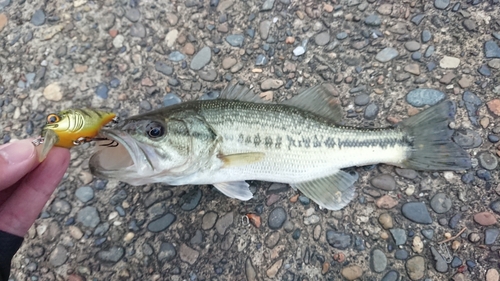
<point x="133" y="15"/>
<point x="441" y="4"/>
<point x="416" y="212"/>
<point x="38" y="18"/>
<point x="228" y="62"/>
<point x="426" y="36"/>
<point x="491" y="235"/>
<point x="272" y="239"/>
<point x="342" y="35"/>
<point x="484" y="70"/>
<point x="449" y="62"/>
<point x="250" y="271"/>
<point x="494" y="107"/>
<point x="208" y="75"/>
<point x="298" y="51"/>
<point x="371" y="111"/>
<point x="201" y="58"/>
<point x="3" y="21"/>
<point x="58" y="256"/>
<point x="338" y="240"/>
<point x="378" y="261"/>
<point x="322" y="38"/>
<point x="456" y="262"/>
<point x="387" y="54"/>
<point x="176" y="56"/>
<point x="138" y="30"/>
<point x="88" y="216"/>
<point x="373" y="20"/>
<point x="422" y="96"/>
<point x="488" y="160"/>
<point x="235" y="40"/>
<point x="209" y="220"/>
<point x="167" y="252"/>
<point x="113" y="255"/>
<point x="102" y="91"/>
<point x="267" y="5"/>
<point x="171" y="99"/>
<point x="391" y="276"/>
<point x="401" y="254"/>
<point x="495" y="206"/>
<point x="472" y="104"/>
<point x="494" y="63"/>
<point x="492" y="275"/>
<point x="271" y="84"/>
<point x="441" y="203"/>
<point x="53" y="92"/>
<point x="224" y="222"/>
<point x="384" y="182"/>
<point x="84" y="194"/>
<point x="191" y="199"/>
<point x="385" y="220"/>
<point x="264" y="29"/>
<point x="162" y="223"/>
<point x="491" y="49"/>
<point x="406" y="173"/>
<point x="273" y="270"/>
<point x="261" y="60"/>
<point x="361" y="99"/>
<point x="440" y="263"/>
<point x="412" y="46"/>
<point x="352" y="272"/>
<point x="277" y="218"/>
<point x="415" y="267"/>
<point x="399" y="235"/>
<point x="386" y="202"/>
<point x="485" y="218"/>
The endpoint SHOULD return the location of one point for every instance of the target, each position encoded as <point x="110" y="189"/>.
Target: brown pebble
<point x="122" y="97"/>
<point x="74" y="277"/>
<point x="455" y="245"/>
<point x="113" y="33"/>
<point x="3" y="21"/>
<point x="494" y="107"/>
<point x="465" y="82"/>
<point x="447" y="235"/>
<point x="386" y="202"/>
<point x="294" y="198"/>
<point x="492" y="275"/>
<point x="254" y="219"/>
<point x="352" y="272"/>
<point x="485" y="218"/>
<point x="188" y="49"/>
<point x="385" y="220"/>
<point x="348" y="79"/>
<point x="290" y="40"/>
<point x="328" y="8"/>
<point x="412" y="111"/>
<point x="147" y="82"/>
<point x="339" y="257"/>
<point x="384" y="235"/>
<point x="300" y="14"/>
<point x="80" y="68"/>
<point x="474" y="237"/>
<point x="267" y="96"/>
<point x="485" y="121"/>
<point x="325" y="268"/>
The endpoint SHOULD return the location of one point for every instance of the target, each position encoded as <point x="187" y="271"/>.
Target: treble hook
<point x="113" y="143"/>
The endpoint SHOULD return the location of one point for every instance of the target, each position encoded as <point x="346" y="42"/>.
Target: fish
<point x="301" y="142"/>
<point x="71" y="127"/>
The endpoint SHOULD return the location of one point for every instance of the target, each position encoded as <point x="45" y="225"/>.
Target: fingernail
<point x="17" y="152"/>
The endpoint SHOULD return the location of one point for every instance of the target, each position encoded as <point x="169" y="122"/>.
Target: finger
<point x="19" y="212"/>
<point x="16" y="160"/>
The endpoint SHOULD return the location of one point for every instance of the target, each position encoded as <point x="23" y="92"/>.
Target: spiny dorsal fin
<point x="318" y="100"/>
<point x="235" y="189"/>
<point x="332" y="192"/>
<point x="240" y="93"/>
<point x="241" y="159"/>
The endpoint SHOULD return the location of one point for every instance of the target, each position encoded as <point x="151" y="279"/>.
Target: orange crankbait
<point x="72" y="127"/>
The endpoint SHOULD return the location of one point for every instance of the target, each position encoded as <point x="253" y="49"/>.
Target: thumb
<point x="16" y="160"/>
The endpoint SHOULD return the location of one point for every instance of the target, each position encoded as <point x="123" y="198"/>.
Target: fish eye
<point x="155" y="130"/>
<point x="53" y="118"/>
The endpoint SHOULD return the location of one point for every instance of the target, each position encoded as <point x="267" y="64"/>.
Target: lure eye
<point x="155" y="130"/>
<point x="53" y="118"/>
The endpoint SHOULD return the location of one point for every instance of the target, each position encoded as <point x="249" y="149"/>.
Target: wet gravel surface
<point x="385" y="60"/>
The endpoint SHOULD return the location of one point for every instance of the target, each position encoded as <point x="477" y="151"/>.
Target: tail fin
<point x="430" y="137"/>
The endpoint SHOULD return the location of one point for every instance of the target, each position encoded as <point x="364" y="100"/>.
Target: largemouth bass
<point x="237" y="137"/>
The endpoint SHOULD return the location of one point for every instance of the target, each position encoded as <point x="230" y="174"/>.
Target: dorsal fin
<point x="241" y="93"/>
<point x="318" y="100"/>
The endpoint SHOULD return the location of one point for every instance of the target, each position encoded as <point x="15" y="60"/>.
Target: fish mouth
<point x="126" y="161"/>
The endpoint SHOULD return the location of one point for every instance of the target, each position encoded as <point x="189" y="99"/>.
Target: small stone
<point x="201" y="59"/>
<point x="209" y="220"/>
<point x="188" y="49"/>
<point x="494" y="107"/>
<point x="412" y="46"/>
<point x="267" y="5"/>
<point x="384" y="182"/>
<point x="385" y="9"/>
<point x="385" y="220"/>
<point x="273" y="270"/>
<point x="465" y="82"/>
<point x="188" y="254"/>
<point x="416" y="212"/>
<point x="440" y="263"/>
<point x="264" y="28"/>
<point x="84" y="194"/>
<point x="102" y="91"/>
<point x="176" y="56"/>
<point x="485" y="218"/>
<point x="322" y="38"/>
<point x="378" y="261"/>
<point x="415" y="267"/>
<point x="272" y="239"/>
<point x="58" y="256"/>
<point x="38" y="18"/>
<point x="133" y="14"/>
<point x="228" y="62"/>
<point x="373" y="20"/>
<point x="277" y="218"/>
<point x="371" y="111"/>
<point x="399" y="235"/>
<point x="224" y="223"/>
<point x="447" y="78"/>
<point x="469" y="25"/>
<point x="163" y="68"/>
<point x="3" y="21"/>
<point x="352" y="272"/>
<point x="494" y="63"/>
<point x="172" y="18"/>
<point x="162" y="223"/>
<point x="421" y="97"/>
<point x="271" y="84"/>
<point x="449" y="62"/>
<point x="386" y="202"/>
<point x="338" y="240"/>
<point x="328" y="8"/>
<point x="492" y="275"/>
<point x="171" y="99"/>
<point x="386" y="54"/>
<point x="441" y="4"/>
<point x="426" y="36"/>
<point x="391" y="276"/>
<point x="191" y="199"/>
<point x="235" y="40"/>
<point x="488" y="160"/>
<point x="138" y="30"/>
<point x="53" y="92"/>
<point x="418" y="245"/>
<point x="88" y="217"/>
<point x="491" y="235"/>
<point x="491" y="49"/>
<point x="441" y="203"/>
<point x="208" y="75"/>
<point x="113" y="255"/>
<point x="167" y="252"/>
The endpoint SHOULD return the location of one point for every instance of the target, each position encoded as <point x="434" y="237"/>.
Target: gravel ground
<point x="385" y="60"/>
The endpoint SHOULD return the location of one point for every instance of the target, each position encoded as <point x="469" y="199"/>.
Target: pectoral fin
<point x="235" y="189"/>
<point x="240" y="159"/>
<point x="50" y="139"/>
<point x="332" y="192"/>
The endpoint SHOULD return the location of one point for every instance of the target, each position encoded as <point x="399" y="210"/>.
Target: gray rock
<point x="209" y="220"/>
<point x="401" y="254"/>
<point x="272" y="239"/>
<point x="224" y="223"/>
<point x="201" y="58"/>
<point x="384" y="182"/>
<point x="428" y="233"/>
<point x="378" y="261"/>
<point x="491" y="235"/>
<point x="268" y="5"/>
<point x="361" y="99"/>
<point x="373" y="20"/>
<point x="322" y="38"/>
<point x="197" y="238"/>
<point x="102" y="91"/>
<point x="61" y="207"/>
<point x="440" y="263"/>
<point x="58" y="256"/>
<point x="235" y="40"/>
<point x="176" y="56"/>
<point x="112" y="255"/>
<point x="416" y="212"/>
<point x="412" y="46"/>
<point x="441" y="4"/>
<point x="495" y="206"/>
<point x="472" y="104"/>
<point x="162" y="223"/>
<point x="422" y="97"/>
<point x="88" y="216"/>
<point x="426" y="36"/>
<point x="147" y="249"/>
<point x="371" y="111"/>
<point x="415" y="267"/>
<point x="406" y="173"/>
<point x="467" y="139"/>
<point x="391" y="276"/>
<point x="429" y="51"/>
<point x="264" y="28"/>
<point x="208" y="75"/>
<point x="417" y="19"/>
<point x="387" y="54"/>
<point x="167" y="252"/>
<point x="342" y="35"/>
<point x="261" y="60"/>
<point x="456" y="262"/>
<point x="488" y="160"/>
<point x="84" y="194"/>
<point x="61" y="51"/>
<point x="441" y="203"/>
<point x="171" y="99"/>
<point x="191" y="199"/>
<point x="469" y="25"/>
<point x="138" y="30"/>
<point x="38" y="18"/>
<point x="491" y="49"/>
<point x="4" y="3"/>
<point x="133" y="15"/>
<point x="277" y="218"/>
<point x="338" y="240"/>
<point x="250" y="271"/>
<point x="399" y="235"/>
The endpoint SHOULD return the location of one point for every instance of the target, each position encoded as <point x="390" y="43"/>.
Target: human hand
<point x="26" y="184"/>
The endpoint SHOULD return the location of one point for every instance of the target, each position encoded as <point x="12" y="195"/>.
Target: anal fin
<point x="332" y="192"/>
<point x="235" y="189"/>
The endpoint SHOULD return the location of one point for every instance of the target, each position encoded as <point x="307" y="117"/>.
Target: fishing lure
<point x="72" y="127"/>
